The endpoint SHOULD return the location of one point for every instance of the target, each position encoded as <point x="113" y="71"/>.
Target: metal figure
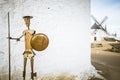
<point x="28" y="53"/>
<point x="38" y="42"/>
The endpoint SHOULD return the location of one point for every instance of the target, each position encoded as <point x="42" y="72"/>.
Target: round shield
<point x="39" y="42"/>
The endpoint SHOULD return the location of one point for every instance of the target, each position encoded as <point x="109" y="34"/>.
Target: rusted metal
<point x="9" y="49"/>
<point x="39" y="42"/>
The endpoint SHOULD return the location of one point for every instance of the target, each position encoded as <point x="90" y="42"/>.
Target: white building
<point x="65" y="22"/>
<point x="98" y="36"/>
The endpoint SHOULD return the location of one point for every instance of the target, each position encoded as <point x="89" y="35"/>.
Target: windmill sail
<point x="98" y="25"/>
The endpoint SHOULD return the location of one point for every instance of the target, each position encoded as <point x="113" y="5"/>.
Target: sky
<point x="109" y="8"/>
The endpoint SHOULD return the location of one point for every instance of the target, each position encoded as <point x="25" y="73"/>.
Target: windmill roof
<point x="95" y="26"/>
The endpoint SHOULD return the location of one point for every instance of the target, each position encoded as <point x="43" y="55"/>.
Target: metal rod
<point x="9" y="50"/>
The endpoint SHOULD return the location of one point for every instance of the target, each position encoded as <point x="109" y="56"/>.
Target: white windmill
<point x="98" y="26"/>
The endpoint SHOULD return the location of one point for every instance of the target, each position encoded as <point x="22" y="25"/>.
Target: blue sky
<point x="110" y="8"/>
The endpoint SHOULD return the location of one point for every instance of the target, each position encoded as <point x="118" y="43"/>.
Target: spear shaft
<point x="9" y="50"/>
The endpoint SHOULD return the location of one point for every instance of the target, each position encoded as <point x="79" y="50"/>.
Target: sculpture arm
<point x="18" y="39"/>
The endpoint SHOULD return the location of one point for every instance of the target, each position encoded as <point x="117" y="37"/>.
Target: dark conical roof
<point x="95" y="26"/>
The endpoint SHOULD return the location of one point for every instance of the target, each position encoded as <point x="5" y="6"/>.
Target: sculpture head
<point x="27" y="20"/>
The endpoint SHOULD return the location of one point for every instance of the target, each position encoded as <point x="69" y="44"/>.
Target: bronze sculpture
<point x="34" y="41"/>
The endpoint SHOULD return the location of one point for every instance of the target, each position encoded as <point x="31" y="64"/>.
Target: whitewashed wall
<point x="65" y="22"/>
<point x="99" y="34"/>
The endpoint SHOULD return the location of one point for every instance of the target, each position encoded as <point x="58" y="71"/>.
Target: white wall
<point x="65" y="22"/>
<point x="99" y="34"/>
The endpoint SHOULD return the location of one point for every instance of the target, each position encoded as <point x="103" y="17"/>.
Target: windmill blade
<point x="98" y="25"/>
<point x="95" y="20"/>
<point x="105" y="18"/>
<point x="103" y="29"/>
<point x="106" y="28"/>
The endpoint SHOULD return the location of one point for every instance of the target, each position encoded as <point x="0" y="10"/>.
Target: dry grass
<point x="95" y="79"/>
<point x="110" y="39"/>
<point x="63" y="76"/>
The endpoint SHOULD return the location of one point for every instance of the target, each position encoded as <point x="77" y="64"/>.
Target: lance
<point x="9" y="50"/>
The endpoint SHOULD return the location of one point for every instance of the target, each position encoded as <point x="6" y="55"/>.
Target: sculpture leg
<point x="24" y="71"/>
<point x="32" y="66"/>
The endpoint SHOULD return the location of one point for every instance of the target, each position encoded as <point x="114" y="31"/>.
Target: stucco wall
<point x="65" y="22"/>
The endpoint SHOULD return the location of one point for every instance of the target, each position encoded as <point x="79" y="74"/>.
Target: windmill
<point x="98" y="26"/>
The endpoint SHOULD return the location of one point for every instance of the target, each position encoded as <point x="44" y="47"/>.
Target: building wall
<point x="99" y="35"/>
<point x="65" y="22"/>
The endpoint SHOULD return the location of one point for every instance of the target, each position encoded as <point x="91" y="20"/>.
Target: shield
<point x="39" y="42"/>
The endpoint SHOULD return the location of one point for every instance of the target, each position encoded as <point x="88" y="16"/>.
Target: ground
<point x="106" y="60"/>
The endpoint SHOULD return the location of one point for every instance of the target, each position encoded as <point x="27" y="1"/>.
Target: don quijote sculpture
<point x="38" y="42"/>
